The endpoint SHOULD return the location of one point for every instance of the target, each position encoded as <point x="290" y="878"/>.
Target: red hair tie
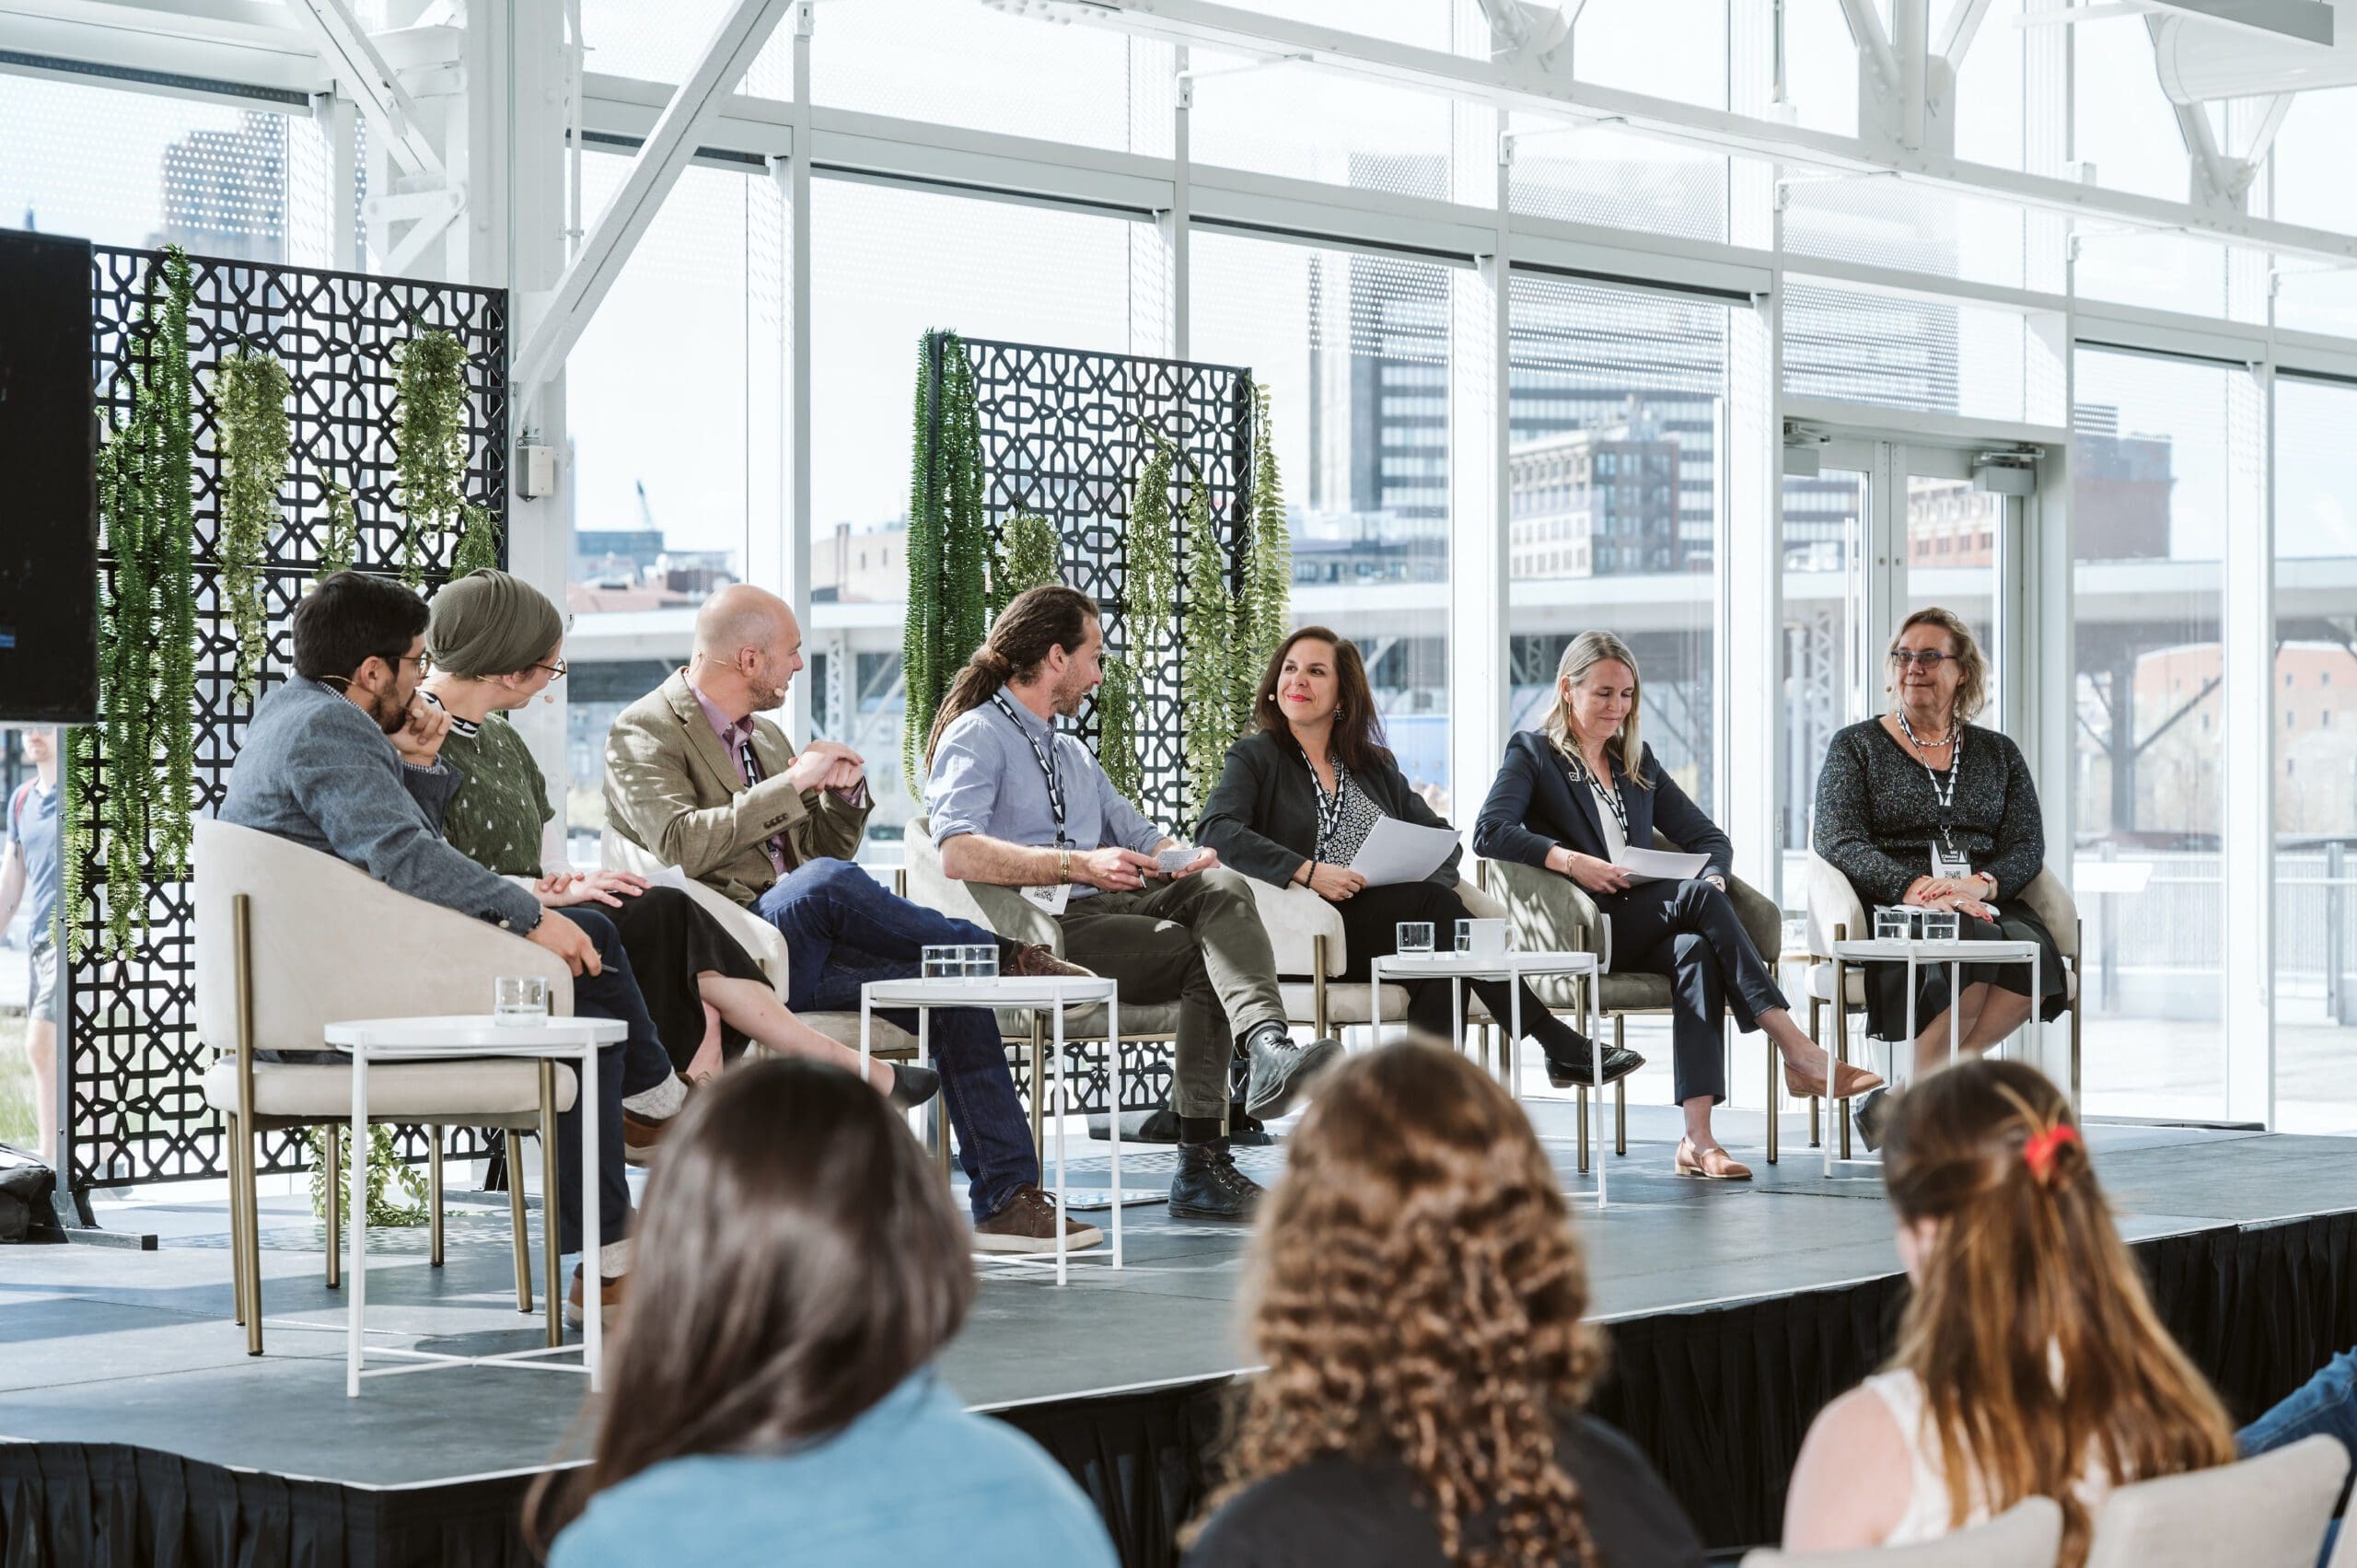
<point x="2041" y="1148"/>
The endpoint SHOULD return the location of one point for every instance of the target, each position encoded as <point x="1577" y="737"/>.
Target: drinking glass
<point x="519" y="1001"/>
<point x="958" y="961"/>
<point x="1796" y="934"/>
<point x="1939" y="925"/>
<point x="1893" y="923"/>
<point x="1413" y="937"/>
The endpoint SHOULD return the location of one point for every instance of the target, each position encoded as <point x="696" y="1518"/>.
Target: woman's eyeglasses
<point x="1921" y="658"/>
<point x="556" y="669"/>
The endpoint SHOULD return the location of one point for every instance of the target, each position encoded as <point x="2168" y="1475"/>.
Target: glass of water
<point x="1939" y="925"/>
<point x="959" y="961"/>
<point x="1413" y="937"/>
<point x="1894" y="922"/>
<point x="1796" y="934"/>
<point x="519" y="1001"/>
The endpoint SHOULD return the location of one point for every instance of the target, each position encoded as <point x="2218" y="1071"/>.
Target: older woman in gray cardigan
<point x="1298" y="797"/>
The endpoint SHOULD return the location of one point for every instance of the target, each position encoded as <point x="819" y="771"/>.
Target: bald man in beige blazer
<point x="697" y="779"/>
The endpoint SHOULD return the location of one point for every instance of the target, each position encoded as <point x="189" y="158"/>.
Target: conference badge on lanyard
<point x="1054" y="897"/>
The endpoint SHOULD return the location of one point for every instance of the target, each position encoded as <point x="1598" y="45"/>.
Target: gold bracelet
<point x="1063" y="865"/>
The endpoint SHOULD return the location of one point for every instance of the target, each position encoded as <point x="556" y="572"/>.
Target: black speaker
<point x="49" y="497"/>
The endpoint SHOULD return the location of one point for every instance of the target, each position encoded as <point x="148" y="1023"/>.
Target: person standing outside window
<point x="31" y="867"/>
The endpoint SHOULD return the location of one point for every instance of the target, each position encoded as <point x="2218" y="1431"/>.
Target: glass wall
<point x="1827" y="518"/>
<point x="1354" y="349"/>
<point x="1617" y="418"/>
<point x="2150" y="468"/>
<point x="2314" y="695"/>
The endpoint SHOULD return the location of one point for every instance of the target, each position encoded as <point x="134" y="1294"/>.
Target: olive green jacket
<point x="671" y="789"/>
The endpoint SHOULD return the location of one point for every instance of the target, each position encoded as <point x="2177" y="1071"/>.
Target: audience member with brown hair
<point x="1417" y="1293"/>
<point x="2031" y="1362"/>
<point x="772" y="1396"/>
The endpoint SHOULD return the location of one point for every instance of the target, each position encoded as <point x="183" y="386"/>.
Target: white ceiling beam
<point x="1865" y="28"/>
<point x="1956" y="33"/>
<point x="361" y="68"/>
<point x="1524" y="89"/>
<point x="2306" y="21"/>
<point x="727" y="56"/>
<point x="2213" y="172"/>
<point x="2263" y="138"/>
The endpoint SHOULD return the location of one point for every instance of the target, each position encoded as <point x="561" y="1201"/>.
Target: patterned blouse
<point x="1359" y="816"/>
<point x="496" y="817"/>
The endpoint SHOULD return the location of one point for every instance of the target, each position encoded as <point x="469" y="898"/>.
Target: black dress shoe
<point x="911" y="1084"/>
<point x="1208" y="1186"/>
<point x="1619" y="1063"/>
<point x="1870" y="1113"/>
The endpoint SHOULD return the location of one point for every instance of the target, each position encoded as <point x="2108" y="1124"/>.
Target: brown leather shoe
<point x="642" y="1137"/>
<point x="1028" y="960"/>
<point x="1027" y="1223"/>
<point x="609" y="1300"/>
<point x="1853" y="1080"/>
<point x="1710" y="1165"/>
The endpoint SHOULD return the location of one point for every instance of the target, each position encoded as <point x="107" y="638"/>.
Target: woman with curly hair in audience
<point x="1417" y="1295"/>
<point x="2031" y="1362"/>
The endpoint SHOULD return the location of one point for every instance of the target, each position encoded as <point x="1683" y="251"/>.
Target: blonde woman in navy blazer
<point x="1567" y="798"/>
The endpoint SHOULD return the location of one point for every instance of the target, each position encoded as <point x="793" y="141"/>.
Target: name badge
<point x="1958" y="866"/>
<point x="1052" y="900"/>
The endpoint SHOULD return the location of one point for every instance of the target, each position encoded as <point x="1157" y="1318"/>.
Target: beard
<point x="389" y="713"/>
<point x="1069" y="697"/>
<point x="768" y="697"/>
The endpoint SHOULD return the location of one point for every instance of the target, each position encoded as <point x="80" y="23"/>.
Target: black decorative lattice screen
<point x="133" y="1065"/>
<point x="1064" y="437"/>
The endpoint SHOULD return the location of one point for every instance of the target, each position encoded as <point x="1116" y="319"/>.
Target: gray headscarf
<point x="490" y="624"/>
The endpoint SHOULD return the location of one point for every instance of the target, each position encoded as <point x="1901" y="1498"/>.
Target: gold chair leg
<point x="336" y="1199"/>
<point x="1817" y="1036"/>
<point x="249" y="1207"/>
<point x="433" y="1199"/>
<point x="1619" y="1089"/>
<point x="1772" y="1058"/>
<point x="551" y="1254"/>
<point x="523" y="1235"/>
<point x="237" y="1222"/>
<point x="1039" y="1088"/>
<point x="1838" y="1109"/>
<point x="1579" y="1099"/>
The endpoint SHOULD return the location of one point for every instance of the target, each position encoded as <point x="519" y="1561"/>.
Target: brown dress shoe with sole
<point x="1026" y="1224"/>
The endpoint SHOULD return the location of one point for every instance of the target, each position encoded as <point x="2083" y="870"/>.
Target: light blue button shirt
<point x="915" y="1480"/>
<point x="986" y="780"/>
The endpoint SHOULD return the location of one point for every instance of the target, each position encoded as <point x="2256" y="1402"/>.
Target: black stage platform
<point x="144" y="1434"/>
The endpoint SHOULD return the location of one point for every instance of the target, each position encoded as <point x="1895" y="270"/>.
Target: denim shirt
<point x="916" y="1479"/>
<point x="986" y="780"/>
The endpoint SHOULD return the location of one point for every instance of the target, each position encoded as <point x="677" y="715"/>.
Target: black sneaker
<point x="1248" y="1131"/>
<point x="1208" y="1186"/>
<point x="1281" y="1068"/>
<point x="1619" y="1063"/>
<point x="912" y="1085"/>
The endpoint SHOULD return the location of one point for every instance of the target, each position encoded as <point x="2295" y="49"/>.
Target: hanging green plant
<point x="339" y="549"/>
<point x="949" y="550"/>
<point x="430" y="442"/>
<point x="1265" y="614"/>
<point x="478" y="542"/>
<point x="250" y="394"/>
<point x="1207" y="649"/>
<point x="1029" y="556"/>
<point x="143" y="747"/>
<point x="385" y="1169"/>
<point x="1149" y="558"/>
<point x="1117" y="728"/>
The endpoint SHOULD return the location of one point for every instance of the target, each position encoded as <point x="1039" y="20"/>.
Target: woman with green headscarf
<point x="495" y="642"/>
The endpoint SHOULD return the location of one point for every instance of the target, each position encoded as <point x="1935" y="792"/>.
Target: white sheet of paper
<point x="1659" y="865"/>
<point x="668" y="876"/>
<point x="1401" y="852"/>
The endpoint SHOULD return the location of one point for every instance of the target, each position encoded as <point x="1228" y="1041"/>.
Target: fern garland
<point x="478" y="542"/>
<point x="949" y="552"/>
<point x="340" y="550"/>
<point x="430" y="442"/>
<point x="1029" y="556"/>
<point x="920" y="633"/>
<point x="1207" y="648"/>
<point x="1117" y="728"/>
<point x="250" y="394"/>
<point x="1265" y="615"/>
<point x="1149" y="558"/>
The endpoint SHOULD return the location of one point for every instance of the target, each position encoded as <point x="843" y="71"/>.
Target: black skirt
<point x="1887" y="982"/>
<point x="671" y="940"/>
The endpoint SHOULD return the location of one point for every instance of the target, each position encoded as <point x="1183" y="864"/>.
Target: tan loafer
<point x="1852" y="1079"/>
<point x="1710" y="1165"/>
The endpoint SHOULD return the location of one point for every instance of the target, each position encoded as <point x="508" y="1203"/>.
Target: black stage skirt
<point x="1887" y="982"/>
<point x="671" y="940"/>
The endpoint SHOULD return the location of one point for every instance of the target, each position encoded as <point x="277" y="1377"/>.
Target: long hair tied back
<point x="1034" y="623"/>
<point x="1415" y="1289"/>
<point x="2039" y="1351"/>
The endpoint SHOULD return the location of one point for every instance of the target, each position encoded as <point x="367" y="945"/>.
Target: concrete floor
<point x="105" y="1344"/>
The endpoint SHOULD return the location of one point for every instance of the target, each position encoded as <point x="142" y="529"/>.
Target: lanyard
<point x="1047" y="765"/>
<point x="1945" y="796"/>
<point x="1581" y="776"/>
<point x="1330" y="808"/>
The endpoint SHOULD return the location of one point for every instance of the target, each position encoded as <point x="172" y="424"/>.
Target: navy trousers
<point x="1689" y="932"/>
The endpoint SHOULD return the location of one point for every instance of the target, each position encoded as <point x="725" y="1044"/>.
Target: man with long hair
<point x="1017" y="803"/>
<point x="698" y="778"/>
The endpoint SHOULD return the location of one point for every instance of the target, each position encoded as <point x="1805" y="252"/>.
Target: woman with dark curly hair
<point x="1417" y="1293"/>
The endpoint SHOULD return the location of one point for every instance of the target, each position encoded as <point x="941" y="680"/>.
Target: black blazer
<point x="1263" y="817"/>
<point x="1532" y="807"/>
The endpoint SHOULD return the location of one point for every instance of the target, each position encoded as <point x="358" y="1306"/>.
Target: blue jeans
<point x="841" y="930"/>
<point x="636" y="1064"/>
<point x="2326" y="1403"/>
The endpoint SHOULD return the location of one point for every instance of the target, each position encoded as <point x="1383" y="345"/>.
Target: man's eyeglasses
<point x="425" y="663"/>
<point x="1921" y="658"/>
